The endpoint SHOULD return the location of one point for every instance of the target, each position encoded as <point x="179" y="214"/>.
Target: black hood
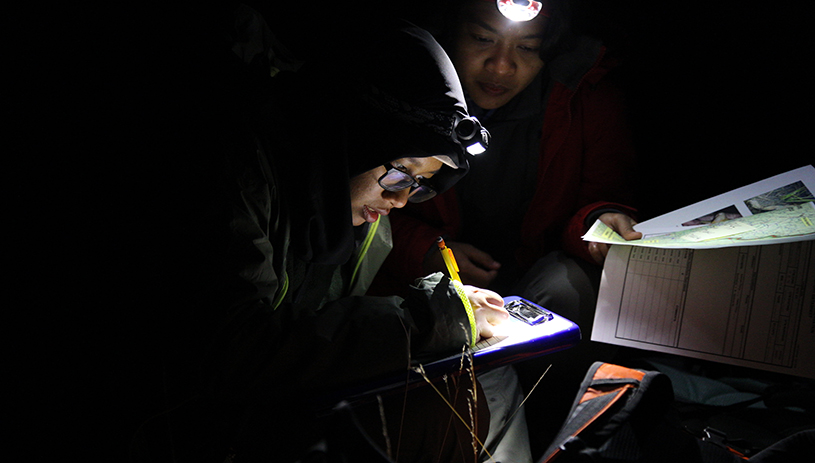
<point x="406" y="102"/>
<point x="385" y="94"/>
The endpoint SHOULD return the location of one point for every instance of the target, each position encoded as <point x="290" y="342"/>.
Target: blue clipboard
<point x="515" y="340"/>
<point x="531" y="331"/>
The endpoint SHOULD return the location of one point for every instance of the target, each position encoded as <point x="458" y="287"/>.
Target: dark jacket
<point x="269" y="319"/>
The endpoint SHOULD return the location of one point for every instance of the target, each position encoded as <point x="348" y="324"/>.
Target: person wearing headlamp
<point x="560" y="157"/>
<point x="283" y="224"/>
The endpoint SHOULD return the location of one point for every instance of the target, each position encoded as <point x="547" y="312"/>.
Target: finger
<point x="632" y="235"/>
<point x="623" y="225"/>
<point x="478" y="257"/>
<point x="598" y="252"/>
<point x="485" y="331"/>
<point x="492" y="298"/>
<point x="475" y="276"/>
<point x="487" y="320"/>
<point x="497" y="316"/>
<point x="628" y="231"/>
<point x="497" y="303"/>
<point x="481" y="297"/>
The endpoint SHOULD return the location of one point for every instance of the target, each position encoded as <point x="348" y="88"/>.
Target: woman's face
<point x="369" y="200"/>
<point x="496" y="58"/>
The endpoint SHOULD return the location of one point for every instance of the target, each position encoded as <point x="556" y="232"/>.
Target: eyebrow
<point x="489" y="28"/>
<point x="414" y="165"/>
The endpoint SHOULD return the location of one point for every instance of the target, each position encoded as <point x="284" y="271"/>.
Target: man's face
<point x="369" y="200"/>
<point x="496" y="58"/>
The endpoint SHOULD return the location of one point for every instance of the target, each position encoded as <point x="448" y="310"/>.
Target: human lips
<point x="493" y="89"/>
<point x="372" y="214"/>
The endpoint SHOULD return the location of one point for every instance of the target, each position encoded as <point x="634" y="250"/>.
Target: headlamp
<point x="469" y="133"/>
<point x="519" y="10"/>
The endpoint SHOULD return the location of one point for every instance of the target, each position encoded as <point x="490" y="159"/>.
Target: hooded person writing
<point x="289" y="224"/>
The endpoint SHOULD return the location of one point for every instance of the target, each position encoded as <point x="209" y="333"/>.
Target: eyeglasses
<point x="398" y="180"/>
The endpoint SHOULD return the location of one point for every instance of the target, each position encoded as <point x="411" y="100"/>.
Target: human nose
<point x="398" y="199"/>
<point x="501" y="61"/>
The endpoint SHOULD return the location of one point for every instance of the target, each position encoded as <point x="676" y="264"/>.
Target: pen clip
<point x="453" y="259"/>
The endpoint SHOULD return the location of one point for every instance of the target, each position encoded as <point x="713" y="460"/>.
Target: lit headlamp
<point x="469" y="133"/>
<point x="519" y="10"/>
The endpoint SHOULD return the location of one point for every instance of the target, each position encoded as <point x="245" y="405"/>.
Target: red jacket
<point x="585" y="164"/>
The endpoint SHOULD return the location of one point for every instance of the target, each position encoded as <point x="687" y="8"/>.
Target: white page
<point x="783" y="225"/>
<point x="750" y="306"/>
<point x="757" y="197"/>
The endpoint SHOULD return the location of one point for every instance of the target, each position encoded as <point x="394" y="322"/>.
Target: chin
<point x="490" y="103"/>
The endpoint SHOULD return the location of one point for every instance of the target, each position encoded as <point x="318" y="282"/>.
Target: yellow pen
<point x="449" y="259"/>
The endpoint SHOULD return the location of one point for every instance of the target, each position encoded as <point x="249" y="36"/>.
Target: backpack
<point x="626" y="415"/>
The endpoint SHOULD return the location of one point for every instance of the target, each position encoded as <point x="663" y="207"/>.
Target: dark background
<point x="103" y="98"/>
<point x="720" y="92"/>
